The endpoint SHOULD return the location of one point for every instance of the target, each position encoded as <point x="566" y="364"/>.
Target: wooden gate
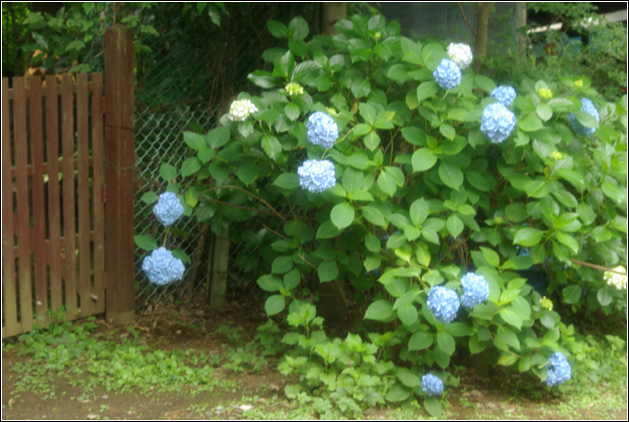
<point x="59" y="238"/>
<point x="53" y="252"/>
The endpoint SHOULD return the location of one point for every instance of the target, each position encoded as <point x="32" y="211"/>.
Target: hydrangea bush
<point x="411" y="185"/>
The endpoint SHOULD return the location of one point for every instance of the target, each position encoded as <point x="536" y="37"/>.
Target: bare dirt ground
<point x="261" y="396"/>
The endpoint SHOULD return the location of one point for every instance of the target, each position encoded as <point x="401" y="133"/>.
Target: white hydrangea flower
<point x="617" y="280"/>
<point x="241" y="109"/>
<point x="461" y="54"/>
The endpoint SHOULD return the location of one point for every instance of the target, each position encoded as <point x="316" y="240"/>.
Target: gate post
<point x="119" y="162"/>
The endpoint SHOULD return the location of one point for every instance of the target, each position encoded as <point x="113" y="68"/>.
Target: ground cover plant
<point x="432" y="196"/>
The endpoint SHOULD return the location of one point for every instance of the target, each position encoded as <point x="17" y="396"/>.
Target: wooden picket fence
<point x="59" y="237"/>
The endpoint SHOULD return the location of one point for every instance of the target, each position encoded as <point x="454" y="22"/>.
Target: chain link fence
<point x="181" y="85"/>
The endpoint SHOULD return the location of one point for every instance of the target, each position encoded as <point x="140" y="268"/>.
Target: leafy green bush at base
<point x="430" y="184"/>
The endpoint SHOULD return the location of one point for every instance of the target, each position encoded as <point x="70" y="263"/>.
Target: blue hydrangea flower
<point x="475" y="290"/>
<point x="322" y="130"/>
<point x="316" y="176"/>
<point x="444" y="304"/>
<point x="168" y="208"/>
<point x="497" y="122"/>
<point x="559" y="370"/>
<point x="161" y="267"/>
<point x="432" y="385"/>
<point x="504" y="94"/>
<point x="588" y="107"/>
<point x="447" y="74"/>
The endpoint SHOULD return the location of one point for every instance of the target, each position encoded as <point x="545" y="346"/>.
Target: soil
<point x="175" y="327"/>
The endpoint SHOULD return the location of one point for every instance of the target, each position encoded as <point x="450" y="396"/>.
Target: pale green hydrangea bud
<point x="557" y="155"/>
<point x="545" y="93"/>
<point x="294" y="89"/>
<point x="547" y="303"/>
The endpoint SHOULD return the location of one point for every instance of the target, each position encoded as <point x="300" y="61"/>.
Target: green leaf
<point x="181" y="255"/>
<point x="277" y="29"/>
<point x="271" y="146"/>
<point x="614" y="192"/>
<point x="433" y="406"/>
<point x="379" y="310"/>
<point x="292" y="279"/>
<point x="145" y="242"/>
<point x="374" y="216"/>
<point x="537" y="188"/>
<point x="524" y="364"/>
<point x="149" y="198"/>
<point x="450" y="175"/>
<point x="263" y="79"/>
<point x="572" y="294"/>
<point x="342" y="215"/>
<point x="427" y="89"/>
<point x="287" y="181"/>
<point x="454" y="225"/>
<point x="327" y="230"/>
<point x="372" y="242"/>
<point x="407" y="314"/>
<point x="282" y="264"/>
<point x="327" y="271"/>
<point x="528" y="236"/>
<point x="274" y="305"/>
<point x="218" y="137"/>
<point x="448" y="131"/>
<point x="423" y="159"/>
<point x="507" y="359"/>
<point x="485" y="83"/>
<point x="586" y="119"/>
<point x="445" y="341"/>
<point x="190" y="166"/>
<point x="476" y="346"/>
<point x="491" y="256"/>
<point x="531" y="123"/>
<point x="204" y="212"/>
<point x="568" y="241"/>
<point x="270" y="283"/>
<point x="372" y="141"/>
<point x="605" y="295"/>
<point x="398" y="393"/>
<point x="205" y="154"/>
<point x="194" y="140"/>
<point x="420" y="340"/>
<point x="544" y="112"/>
<point x="399" y="72"/>
<point x="458" y="329"/>
<point x="387" y="183"/>
<point x="167" y="172"/>
<point x="508" y="337"/>
<point x="292" y="111"/>
<point x="191" y="197"/>
<point x="299" y="28"/>
<point x="408" y="378"/>
<point x="419" y="212"/>
<point x="516" y="212"/>
<point x="511" y="317"/>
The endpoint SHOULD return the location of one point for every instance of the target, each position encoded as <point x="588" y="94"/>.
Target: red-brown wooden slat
<point x="39" y="228"/>
<point x="54" y="207"/>
<point x="11" y="326"/>
<point x="97" y="194"/>
<point x="58" y="87"/>
<point x="24" y="255"/>
<point x="84" y="283"/>
<point x="29" y="168"/>
<point x="67" y="139"/>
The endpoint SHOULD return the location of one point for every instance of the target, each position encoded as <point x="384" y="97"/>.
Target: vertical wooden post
<point x="221" y="267"/>
<point x="119" y="162"/>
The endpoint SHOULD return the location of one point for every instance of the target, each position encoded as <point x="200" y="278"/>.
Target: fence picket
<point x="97" y="194"/>
<point x="54" y="200"/>
<point x="8" y="256"/>
<point x="21" y="161"/>
<point x="67" y="139"/>
<point x="84" y="282"/>
<point x="39" y="228"/>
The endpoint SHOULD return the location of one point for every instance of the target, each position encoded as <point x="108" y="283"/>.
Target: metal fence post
<point x="119" y="162"/>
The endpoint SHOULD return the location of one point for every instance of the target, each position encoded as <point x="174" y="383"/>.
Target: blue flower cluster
<point x="168" y="208"/>
<point x="161" y="267"/>
<point x="588" y="107"/>
<point x="444" y="304"/>
<point x="447" y="74"/>
<point x="316" y="176"/>
<point x="432" y="385"/>
<point x="504" y="94"/>
<point x="559" y="370"/>
<point x="322" y="130"/>
<point x="497" y="122"/>
<point x="475" y="289"/>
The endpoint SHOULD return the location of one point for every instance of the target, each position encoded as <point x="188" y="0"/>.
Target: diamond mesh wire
<point x="180" y="83"/>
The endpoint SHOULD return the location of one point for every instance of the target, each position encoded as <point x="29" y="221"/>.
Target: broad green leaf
<point x="282" y="264"/>
<point x="528" y="236"/>
<point x="508" y="337"/>
<point x="586" y="119"/>
<point x="445" y="341"/>
<point x="274" y="305"/>
<point x="450" y="175"/>
<point x="427" y="89"/>
<point x="537" y="188"/>
<point x="423" y="159"/>
<point x="194" y="140"/>
<point x="491" y="256"/>
<point x="270" y="283"/>
<point x="531" y="123"/>
<point x="420" y="340"/>
<point x="288" y="181"/>
<point x="511" y="317"/>
<point x="398" y="393"/>
<point x="448" y="131"/>
<point x="167" y="172"/>
<point x="218" y="137"/>
<point x="387" y="183"/>
<point x="507" y="359"/>
<point x="149" y="197"/>
<point x="485" y="83"/>
<point x="190" y="166"/>
<point x="292" y="279"/>
<point x="379" y="310"/>
<point x="419" y="212"/>
<point x="342" y="215"/>
<point x="568" y="241"/>
<point x="605" y="295"/>
<point x="328" y="271"/>
<point x="572" y="294"/>
<point x="374" y="216"/>
<point x="407" y="314"/>
<point x="408" y="378"/>
<point x="372" y="243"/>
<point x="544" y="112"/>
<point x="433" y="406"/>
<point x="271" y="146"/>
<point x="454" y="225"/>
<point x="145" y="242"/>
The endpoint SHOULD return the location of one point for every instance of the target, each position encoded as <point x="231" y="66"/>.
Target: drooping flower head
<point x="619" y="281"/>
<point x="168" y="208"/>
<point x="322" y="130"/>
<point x="504" y="94"/>
<point x="444" y="304"/>
<point x="588" y="107"/>
<point x="447" y="74"/>
<point x="497" y="122"/>
<point x="559" y="370"/>
<point x="316" y="176"/>
<point x="432" y="385"/>
<point x="461" y="54"/>
<point x="294" y="89"/>
<point x="241" y="109"/>
<point x="475" y="289"/>
<point x="161" y="267"/>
